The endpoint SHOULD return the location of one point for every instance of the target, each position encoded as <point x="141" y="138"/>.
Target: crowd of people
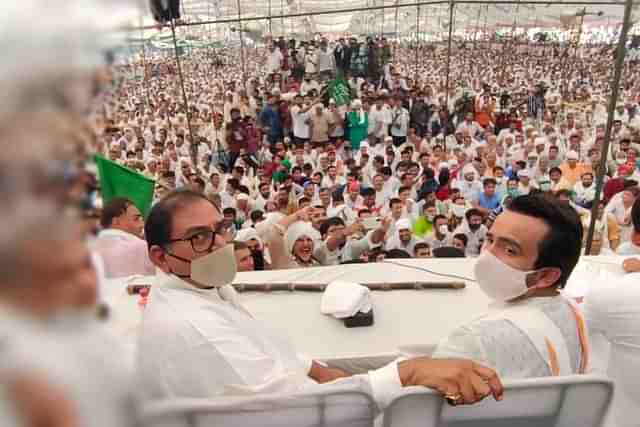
<point x="404" y="169"/>
<point x="263" y="168"/>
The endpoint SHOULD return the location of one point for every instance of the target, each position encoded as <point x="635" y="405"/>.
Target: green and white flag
<point x="339" y="90"/>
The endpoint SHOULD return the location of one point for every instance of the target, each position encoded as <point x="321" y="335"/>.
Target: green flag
<point x="118" y="181"/>
<point x="339" y="90"/>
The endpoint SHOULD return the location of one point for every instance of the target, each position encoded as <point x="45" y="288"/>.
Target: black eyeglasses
<point x="202" y="241"/>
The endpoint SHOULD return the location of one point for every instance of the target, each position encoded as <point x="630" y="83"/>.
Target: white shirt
<point x="299" y="120"/>
<point x="401" y="124"/>
<point x="612" y="309"/>
<point x="202" y="343"/>
<point x="76" y="355"/>
<point x="381" y="118"/>
<point x="501" y="345"/>
<point x="274" y="61"/>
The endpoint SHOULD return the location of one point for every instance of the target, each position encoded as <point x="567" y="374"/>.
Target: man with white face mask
<point x="531" y="330"/>
<point x="197" y="340"/>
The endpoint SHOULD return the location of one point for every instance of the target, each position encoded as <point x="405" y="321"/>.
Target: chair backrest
<point x="333" y="407"/>
<point x="578" y="400"/>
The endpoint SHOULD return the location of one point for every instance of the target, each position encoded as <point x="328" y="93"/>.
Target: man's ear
<point x="158" y="257"/>
<point x="544" y="278"/>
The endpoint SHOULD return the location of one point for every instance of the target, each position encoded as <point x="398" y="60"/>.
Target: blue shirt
<point x="270" y="117"/>
<point x="488" y="202"/>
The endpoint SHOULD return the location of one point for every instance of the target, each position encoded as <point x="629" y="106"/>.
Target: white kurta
<point x="613" y="310"/>
<point x="202" y="343"/>
<point x="76" y="356"/>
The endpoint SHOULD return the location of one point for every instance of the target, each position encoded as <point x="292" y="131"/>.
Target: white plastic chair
<point x="578" y="400"/>
<point x="334" y="407"/>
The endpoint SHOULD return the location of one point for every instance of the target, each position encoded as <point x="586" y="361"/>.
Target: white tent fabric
<point x="432" y="18"/>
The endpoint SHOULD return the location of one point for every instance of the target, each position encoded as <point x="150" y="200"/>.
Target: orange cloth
<point x="573" y="175"/>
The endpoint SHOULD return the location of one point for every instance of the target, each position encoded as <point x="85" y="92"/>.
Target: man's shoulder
<point x="628" y="248"/>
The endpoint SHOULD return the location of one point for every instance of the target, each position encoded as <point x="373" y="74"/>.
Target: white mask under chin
<point x="216" y="269"/>
<point x="497" y="280"/>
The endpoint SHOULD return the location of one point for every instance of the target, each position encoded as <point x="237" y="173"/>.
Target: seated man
<point x="119" y="244"/>
<point x="197" y="340"/>
<point x="531" y="329"/>
<point x="244" y="260"/>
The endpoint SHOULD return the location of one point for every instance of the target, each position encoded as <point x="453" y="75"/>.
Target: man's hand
<point x="322" y="374"/>
<point x="631" y="265"/>
<point x="38" y="403"/>
<point x="451" y="377"/>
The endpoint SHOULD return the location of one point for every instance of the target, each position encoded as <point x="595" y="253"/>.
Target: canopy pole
<point x="602" y="166"/>
<point x="145" y="81"/>
<point x="192" y="145"/>
<point x="270" y="29"/>
<point x="382" y="21"/>
<point x="395" y="46"/>
<point x="451" y="7"/>
<point x="244" y="66"/>
<point x="416" y="45"/>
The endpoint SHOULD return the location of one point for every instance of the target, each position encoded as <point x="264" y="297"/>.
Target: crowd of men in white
<point x="294" y="183"/>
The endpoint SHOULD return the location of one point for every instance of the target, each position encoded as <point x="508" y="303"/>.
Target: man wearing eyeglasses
<point x="197" y="340"/>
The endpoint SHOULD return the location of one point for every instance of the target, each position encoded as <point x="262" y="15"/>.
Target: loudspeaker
<point x="165" y="10"/>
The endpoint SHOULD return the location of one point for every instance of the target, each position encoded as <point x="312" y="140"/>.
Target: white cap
<point x="403" y="224"/>
<point x="523" y="173"/>
<point x="242" y="196"/>
<point x="572" y="155"/>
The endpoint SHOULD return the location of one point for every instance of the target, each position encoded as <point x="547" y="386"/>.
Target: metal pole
<point x="417" y="50"/>
<point x="282" y="14"/>
<point x="270" y="29"/>
<point x="192" y="145"/>
<point x="451" y="6"/>
<point x="244" y="66"/>
<point x="395" y="46"/>
<point x="620" y="54"/>
<point x="475" y="31"/>
<point x="145" y="81"/>
<point x="382" y="21"/>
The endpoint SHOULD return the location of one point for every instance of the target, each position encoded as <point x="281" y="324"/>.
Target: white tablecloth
<point x="403" y="318"/>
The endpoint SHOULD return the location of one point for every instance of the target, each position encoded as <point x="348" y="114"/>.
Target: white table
<point x="402" y="317"/>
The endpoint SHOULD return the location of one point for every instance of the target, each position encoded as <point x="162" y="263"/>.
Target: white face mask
<point x="497" y="280"/>
<point x="216" y="269"/>
<point x="443" y="229"/>
<point x="458" y="210"/>
<point x="430" y="217"/>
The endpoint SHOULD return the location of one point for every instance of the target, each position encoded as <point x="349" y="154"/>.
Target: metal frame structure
<point x="626" y="25"/>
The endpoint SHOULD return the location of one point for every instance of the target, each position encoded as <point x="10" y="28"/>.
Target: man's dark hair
<point x="397" y="254"/>
<point x="114" y="209"/>
<point x="256" y="215"/>
<point x="473" y="212"/>
<point x="157" y="228"/>
<point x="331" y="222"/>
<point x="394" y="201"/>
<point x="462" y="238"/>
<point x="555" y="169"/>
<point x="437" y="217"/>
<point x="488" y="181"/>
<point x="229" y="211"/>
<point x="561" y="246"/>
<point x="367" y="192"/>
<point x="420" y="245"/>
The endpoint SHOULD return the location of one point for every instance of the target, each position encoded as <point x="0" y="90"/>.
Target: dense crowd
<point x="406" y="168"/>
